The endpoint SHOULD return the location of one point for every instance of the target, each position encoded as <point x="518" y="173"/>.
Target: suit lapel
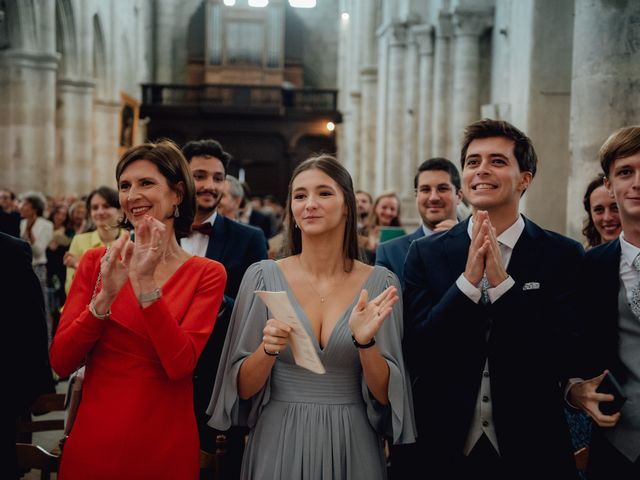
<point x="456" y="243"/>
<point x="218" y="241"/>
<point x="525" y="259"/>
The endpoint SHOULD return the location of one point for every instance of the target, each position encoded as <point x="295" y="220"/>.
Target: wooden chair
<point x="31" y="456"/>
<point x="212" y="464"/>
<point x="49" y="402"/>
<point x="581" y="456"/>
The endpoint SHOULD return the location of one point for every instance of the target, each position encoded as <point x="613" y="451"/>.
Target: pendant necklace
<point x="322" y="297"/>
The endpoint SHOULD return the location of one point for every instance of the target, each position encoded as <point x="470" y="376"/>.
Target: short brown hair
<point x="523" y="147"/>
<point x="336" y="171"/>
<point x="622" y="143"/>
<point x="172" y="165"/>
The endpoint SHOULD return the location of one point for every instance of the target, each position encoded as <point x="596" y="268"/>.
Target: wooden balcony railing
<point x="240" y="97"/>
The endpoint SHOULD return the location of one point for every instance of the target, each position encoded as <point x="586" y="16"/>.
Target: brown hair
<point x="172" y="165"/>
<point x="621" y="144"/>
<point x="589" y="229"/>
<point x="334" y="169"/>
<point x="523" y="147"/>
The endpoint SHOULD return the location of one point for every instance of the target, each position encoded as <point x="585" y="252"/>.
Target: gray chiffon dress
<point x="304" y="425"/>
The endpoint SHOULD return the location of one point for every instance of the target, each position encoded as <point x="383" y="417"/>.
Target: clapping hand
<point x="114" y="266"/>
<point x="148" y="249"/>
<point x="367" y="317"/>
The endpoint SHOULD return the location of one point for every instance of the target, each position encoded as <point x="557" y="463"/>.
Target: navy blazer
<point x="236" y="246"/>
<point x="446" y="345"/>
<point x="599" y="334"/>
<point x="393" y="253"/>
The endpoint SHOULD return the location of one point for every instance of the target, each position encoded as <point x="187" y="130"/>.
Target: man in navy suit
<point x="488" y="315"/>
<point x="611" y="320"/>
<point x="437" y="189"/>
<point x="234" y="245"/>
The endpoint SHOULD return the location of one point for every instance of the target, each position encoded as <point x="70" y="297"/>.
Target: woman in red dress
<point x="140" y="331"/>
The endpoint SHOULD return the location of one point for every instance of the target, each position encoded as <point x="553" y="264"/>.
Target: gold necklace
<point x="322" y="297"/>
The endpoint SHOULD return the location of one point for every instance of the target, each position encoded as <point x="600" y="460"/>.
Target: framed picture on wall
<point x="129" y="114"/>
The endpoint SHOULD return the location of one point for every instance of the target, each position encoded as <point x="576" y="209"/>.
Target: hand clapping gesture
<point x="484" y="253"/>
<point x="149" y="249"/>
<point x="367" y="317"/>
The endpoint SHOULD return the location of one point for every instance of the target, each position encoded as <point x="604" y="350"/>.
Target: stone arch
<point x="99" y="59"/>
<point x="66" y="43"/>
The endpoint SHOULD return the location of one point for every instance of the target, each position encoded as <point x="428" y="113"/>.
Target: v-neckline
<point x="307" y="322"/>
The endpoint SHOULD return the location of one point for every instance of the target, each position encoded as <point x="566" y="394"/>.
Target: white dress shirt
<point x="629" y="276"/>
<point x="197" y="243"/>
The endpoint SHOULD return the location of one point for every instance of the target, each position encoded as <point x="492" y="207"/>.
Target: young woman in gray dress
<point x="305" y="425"/>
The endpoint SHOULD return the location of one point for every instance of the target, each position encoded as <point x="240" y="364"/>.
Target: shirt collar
<point x="628" y="251"/>
<point x="212" y="218"/>
<point x="426" y="230"/>
<point x="509" y="237"/>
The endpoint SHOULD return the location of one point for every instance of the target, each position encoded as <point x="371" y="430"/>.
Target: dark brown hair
<point x="109" y="194"/>
<point x="523" y="148"/>
<point x="589" y="229"/>
<point x="334" y="169"/>
<point x="621" y="144"/>
<point x="172" y="165"/>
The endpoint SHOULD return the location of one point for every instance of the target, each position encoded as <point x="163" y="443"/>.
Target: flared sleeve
<point x="395" y="420"/>
<point x="247" y="321"/>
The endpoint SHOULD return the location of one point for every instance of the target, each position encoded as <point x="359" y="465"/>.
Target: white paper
<point x="304" y="353"/>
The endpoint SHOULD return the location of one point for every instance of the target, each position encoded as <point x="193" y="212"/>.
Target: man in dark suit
<point x="25" y="333"/>
<point x="611" y="320"/>
<point x="488" y="308"/>
<point x="437" y="189"/>
<point x="234" y="245"/>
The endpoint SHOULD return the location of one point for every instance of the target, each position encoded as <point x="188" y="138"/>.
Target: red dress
<point x="136" y="418"/>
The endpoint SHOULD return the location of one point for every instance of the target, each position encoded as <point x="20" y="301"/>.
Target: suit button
<point x="485" y="374"/>
<point x="485" y="423"/>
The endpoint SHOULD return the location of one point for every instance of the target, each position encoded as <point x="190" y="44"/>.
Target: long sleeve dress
<point x="136" y="417"/>
<point x="304" y="425"/>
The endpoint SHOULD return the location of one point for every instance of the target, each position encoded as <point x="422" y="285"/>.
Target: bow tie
<point x="203" y="228"/>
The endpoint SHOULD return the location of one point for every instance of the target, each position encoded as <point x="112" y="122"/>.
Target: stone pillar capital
<point x="423" y="35"/>
<point x="471" y="22"/>
<point x="444" y="27"/>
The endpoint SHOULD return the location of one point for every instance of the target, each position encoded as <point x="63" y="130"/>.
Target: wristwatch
<point x="149" y="297"/>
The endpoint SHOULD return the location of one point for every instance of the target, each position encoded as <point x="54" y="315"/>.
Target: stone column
<point x="423" y="35"/>
<point x="467" y="27"/>
<point x="74" y="172"/>
<point x="394" y="108"/>
<point x="27" y="119"/>
<point x="605" y="79"/>
<point x="27" y="97"/>
<point x="163" y="40"/>
<point x="381" y="113"/>
<point x="441" y="87"/>
<point x="408" y="154"/>
<point x="104" y="156"/>
<point x="368" y="91"/>
<point x="368" y="105"/>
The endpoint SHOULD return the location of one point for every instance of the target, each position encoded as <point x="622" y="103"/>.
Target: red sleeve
<point x="78" y="330"/>
<point x="179" y="343"/>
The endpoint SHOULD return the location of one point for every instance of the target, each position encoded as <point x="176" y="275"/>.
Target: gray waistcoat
<point x="625" y="436"/>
